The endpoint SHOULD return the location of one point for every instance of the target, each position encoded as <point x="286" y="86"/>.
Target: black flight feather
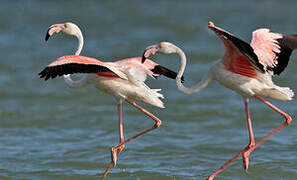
<point x="244" y="48"/>
<point x="166" y="72"/>
<point x="287" y="44"/>
<point x="71" y="68"/>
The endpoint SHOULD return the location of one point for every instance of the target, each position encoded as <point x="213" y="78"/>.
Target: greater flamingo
<point x="123" y="79"/>
<point x="245" y="69"/>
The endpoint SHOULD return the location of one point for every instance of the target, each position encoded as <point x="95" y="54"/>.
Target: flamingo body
<point x="246" y="86"/>
<point x="133" y="87"/>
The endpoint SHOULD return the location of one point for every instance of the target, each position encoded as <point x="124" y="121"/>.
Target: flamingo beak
<point x="143" y="57"/>
<point x="55" y="28"/>
<point x="47" y="36"/>
<point x="149" y="51"/>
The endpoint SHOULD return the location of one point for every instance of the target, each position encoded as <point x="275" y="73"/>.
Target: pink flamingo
<point x="123" y="79"/>
<point x="245" y="69"/>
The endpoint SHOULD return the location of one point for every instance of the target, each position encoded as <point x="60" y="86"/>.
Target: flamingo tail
<point x="279" y="93"/>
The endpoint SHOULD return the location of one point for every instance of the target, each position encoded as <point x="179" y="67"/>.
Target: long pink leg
<point x="249" y="150"/>
<point x="116" y="152"/>
<point x="119" y="146"/>
<point x="246" y="153"/>
<point x="282" y="113"/>
<point x="156" y="125"/>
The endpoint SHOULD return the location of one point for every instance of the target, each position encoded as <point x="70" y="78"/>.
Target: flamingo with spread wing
<point x="123" y="79"/>
<point x="246" y="69"/>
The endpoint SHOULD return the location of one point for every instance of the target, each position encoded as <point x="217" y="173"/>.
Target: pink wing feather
<point x="266" y="47"/>
<point x="150" y="67"/>
<point x="75" y="59"/>
<point x="79" y="64"/>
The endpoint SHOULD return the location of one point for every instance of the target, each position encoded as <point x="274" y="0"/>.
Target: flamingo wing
<point x="239" y="56"/>
<point x="78" y="64"/>
<point x="148" y="67"/>
<point x="273" y="49"/>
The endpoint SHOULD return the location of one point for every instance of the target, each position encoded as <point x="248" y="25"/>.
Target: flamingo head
<point x="67" y="28"/>
<point x="163" y="47"/>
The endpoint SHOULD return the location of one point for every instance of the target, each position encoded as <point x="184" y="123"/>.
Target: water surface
<point x="49" y="131"/>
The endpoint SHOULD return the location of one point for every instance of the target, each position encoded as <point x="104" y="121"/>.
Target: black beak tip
<point x="47" y="36"/>
<point x="143" y="58"/>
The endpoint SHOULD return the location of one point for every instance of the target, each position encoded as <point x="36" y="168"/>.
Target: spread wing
<point x="78" y="64"/>
<point x="239" y="56"/>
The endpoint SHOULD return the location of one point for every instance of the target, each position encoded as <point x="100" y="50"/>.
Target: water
<point x="49" y="131"/>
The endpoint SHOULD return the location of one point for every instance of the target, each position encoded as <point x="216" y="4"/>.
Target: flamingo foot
<point x="115" y="151"/>
<point x="245" y="159"/>
<point x="246" y="155"/>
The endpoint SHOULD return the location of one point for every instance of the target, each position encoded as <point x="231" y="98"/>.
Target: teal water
<point x="49" y="131"/>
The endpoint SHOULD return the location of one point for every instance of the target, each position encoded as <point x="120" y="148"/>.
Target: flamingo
<point x="246" y="69"/>
<point x="123" y="79"/>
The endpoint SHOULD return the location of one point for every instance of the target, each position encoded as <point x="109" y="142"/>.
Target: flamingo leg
<point x="119" y="147"/>
<point x="280" y="127"/>
<point x="116" y="152"/>
<point x="246" y="153"/>
<point x="250" y="149"/>
<point x="156" y="125"/>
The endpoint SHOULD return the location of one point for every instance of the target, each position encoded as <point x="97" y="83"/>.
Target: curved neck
<point x="195" y="89"/>
<point x="80" y="42"/>
<point x="76" y="84"/>
<point x="67" y="78"/>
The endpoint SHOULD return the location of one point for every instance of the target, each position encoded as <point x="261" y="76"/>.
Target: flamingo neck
<point x="195" y="89"/>
<point x="80" y="42"/>
<point x="76" y="84"/>
<point x="67" y="78"/>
